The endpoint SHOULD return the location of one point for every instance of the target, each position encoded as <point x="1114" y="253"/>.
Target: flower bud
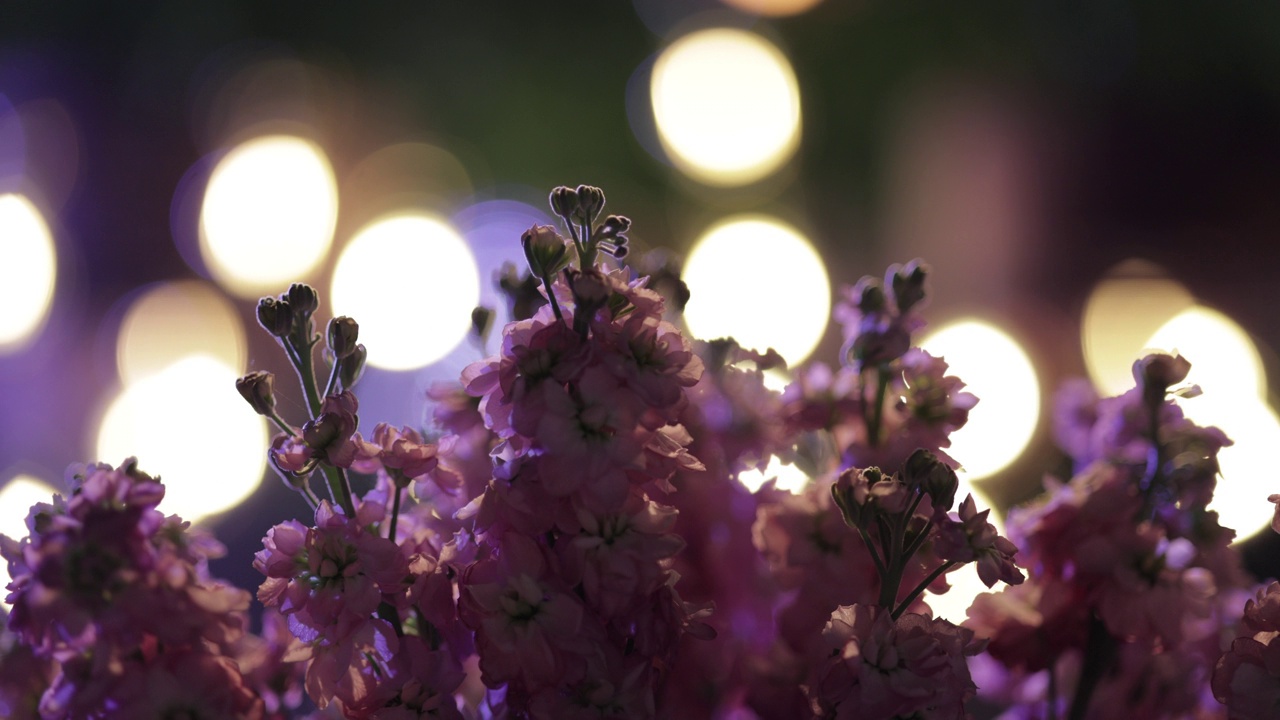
<point x="925" y="472"/>
<point x="342" y="335"/>
<point x="870" y="296"/>
<point x="258" y="389"/>
<point x="482" y="321"/>
<point x="1156" y="372"/>
<point x="275" y="316"/>
<point x="907" y="284"/>
<point x="351" y="367"/>
<point x="590" y="203"/>
<point x="545" y="250"/>
<point x="614" y="226"/>
<point x="304" y="301"/>
<point x="564" y="201"/>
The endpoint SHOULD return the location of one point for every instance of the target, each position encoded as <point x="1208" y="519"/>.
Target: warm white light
<point x="996" y="369"/>
<point x="760" y="282"/>
<point x="28" y="270"/>
<point x="726" y="105"/>
<point x="772" y="8"/>
<point x="1224" y="361"/>
<point x="411" y="282"/>
<point x="788" y="476"/>
<point x="1227" y="367"/>
<point x="173" y="320"/>
<point x="188" y="425"/>
<point x="16" y="498"/>
<point x="268" y="214"/>
<point x="1120" y="315"/>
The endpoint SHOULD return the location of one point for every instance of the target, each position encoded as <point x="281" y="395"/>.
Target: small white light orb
<point x="189" y="426"/>
<point x="761" y="282"/>
<point x="16" y="498"/>
<point x="727" y="106"/>
<point x="28" y="270"/>
<point x="996" y="369"/>
<point x="411" y="282"/>
<point x="268" y="214"/>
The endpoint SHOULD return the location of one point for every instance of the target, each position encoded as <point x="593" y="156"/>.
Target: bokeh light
<point x="28" y="270"/>
<point x="727" y="106"/>
<point x="268" y="214"/>
<point x="1224" y="362"/>
<point x="761" y="282"/>
<point x="1122" y="312"/>
<point x="772" y="8"/>
<point x="16" y="498"/>
<point x="188" y="425"/>
<point x="996" y="369"/>
<point x="172" y="320"/>
<point x="1227" y="367"/>
<point x="411" y="282"/>
<point x="787" y="476"/>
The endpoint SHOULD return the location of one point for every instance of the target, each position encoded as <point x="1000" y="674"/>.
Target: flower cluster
<point x="1131" y="579"/>
<point x="116" y="606"/>
<point x="571" y="535"/>
<point x="573" y="600"/>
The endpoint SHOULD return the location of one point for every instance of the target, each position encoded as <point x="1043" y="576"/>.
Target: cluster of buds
<point x="890" y="513"/>
<point x="326" y="440"/>
<point x="884" y="309"/>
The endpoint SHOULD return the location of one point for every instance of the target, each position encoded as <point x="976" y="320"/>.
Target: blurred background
<point x="1086" y="179"/>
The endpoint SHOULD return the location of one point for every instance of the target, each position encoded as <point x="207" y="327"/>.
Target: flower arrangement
<point x="568" y="538"/>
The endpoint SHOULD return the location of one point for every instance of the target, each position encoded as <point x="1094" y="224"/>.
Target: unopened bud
<point x="869" y="295"/>
<point x="923" y="470"/>
<point x="342" y="335"/>
<point x="304" y="301"/>
<point x="614" y="226"/>
<point x="481" y="321"/>
<point x="275" y="316"/>
<point x="351" y="367"/>
<point x="1156" y="373"/>
<point x="545" y="250"/>
<point x="564" y="201"/>
<point x="258" y="389"/>
<point x="907" y="283"/>
<point x="590" y="203"/>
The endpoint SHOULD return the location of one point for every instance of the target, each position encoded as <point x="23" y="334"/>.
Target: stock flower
<point x="329" y="434"/>
<point x="882" y="668"/>
<point x="972" y="539"/>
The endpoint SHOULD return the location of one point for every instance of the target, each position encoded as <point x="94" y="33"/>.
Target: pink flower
<point x="971" y="539"/>
<point x="886" y="668"/>
<point x="329" y="434"/>
<point x="402" y="453"/>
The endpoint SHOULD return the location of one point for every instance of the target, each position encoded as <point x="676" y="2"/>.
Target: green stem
<point x="306" y="373"/>
<point x="280" y="423"/>
<point x="1099" y="653"/>
<point x="551" y="298"/>
<point x="395" y="513"/>
<point x="875" y="557"/>
<point x="877" y="409"/>
<point x="339" y="489"/>
<point x="333" y="377"/>
<point x="915" y="592"/>
<point x="916" y="542"/>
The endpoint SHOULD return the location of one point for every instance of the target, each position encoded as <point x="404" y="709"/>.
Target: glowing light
<point x="996" y="369"/>
<point x="411" y="282"/>
<point x="268" y="214"/>
<point x="28" y="270"/>
<point x="1227" y="367"/>
<point x="760" y="282"/>
<point x="727" y="106"/>
<point x="187" y="425"/>
<point x="1121" y="313"/>
<point x="173" y="320"/>
<point x="16" y="498"/>
<point x="789" y="477"/>
<point x="1224" y="361"/>
<point x="772" y="8"/>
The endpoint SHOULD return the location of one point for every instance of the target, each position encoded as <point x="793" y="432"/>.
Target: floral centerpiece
<point x="568" y="538"/>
